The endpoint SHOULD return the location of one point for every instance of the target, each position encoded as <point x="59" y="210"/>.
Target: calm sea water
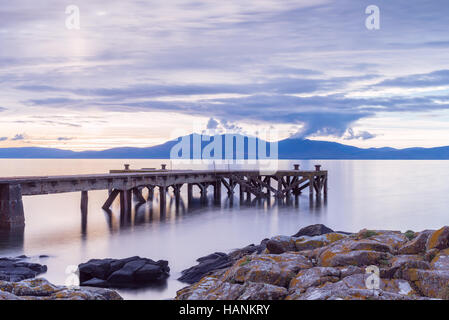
<point x="398" y="195"/>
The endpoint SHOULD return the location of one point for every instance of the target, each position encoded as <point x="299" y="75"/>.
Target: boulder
<point x="41" y="289"/>
<point x="354" y="288"/>
<point x="439" y="239"/>
<point x="207" y="264"/>
<point x="355" y="258"/>
<point x="370" y="245"/>
<point x="313" y="230"/>
<point x="213" y="288"/>
<point x="393" y="239"/>
<point x="310" y="243"/>
<point x="400" y="264"/>
<point x="313" y="277"/>
<point x="16" y="269"/>
<point x="267" y="268"/>
<point x="262" y="291"/>
<point x="417" y="245"/>
<point x="248" y="250"/>
<point x="441" y="260"/>
<point x="431" y="283"/>
<point x="280" y="244"/>
<point x="122" y="273"/>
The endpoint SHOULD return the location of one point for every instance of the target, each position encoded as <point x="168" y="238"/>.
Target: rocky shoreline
<point x="319" y="264"/>
<point x="316" y="263"/>
<point x="18" y="282"/>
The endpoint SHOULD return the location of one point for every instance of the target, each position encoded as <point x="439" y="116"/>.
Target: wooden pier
<point x="128" y="183"/>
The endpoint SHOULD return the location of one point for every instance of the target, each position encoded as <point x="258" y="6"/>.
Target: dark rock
<point x="275" y="247"/>
<point x="148" y="271"/>
<point x="95" y="268"/>
<point x="118" y="264"/>
<point x="13" y="269"/>
<point x="38" y="268"/>
<point x="313" y="230"/>
<point x="123" y="273"/>
<point x="95" y="282"/>
<point x="120" y="278"/>
<point x="207" y="264"/>
<point x="248" y="250"/>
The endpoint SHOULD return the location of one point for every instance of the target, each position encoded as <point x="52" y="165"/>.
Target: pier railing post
<point x="11" y="207"/>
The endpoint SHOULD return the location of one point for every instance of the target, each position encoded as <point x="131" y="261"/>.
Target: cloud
<point x="361" y="135"/>
<point x="18" y="137"/>
<point x="64" y="138"/>
<point x="295" y="62"/>
<point x="3" y="138"/>
<point x="432" y="79"/>
<point x="212" y="124"/>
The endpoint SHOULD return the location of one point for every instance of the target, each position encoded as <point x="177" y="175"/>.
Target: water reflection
<point x="146" y="208"/>
<point x="12" y="240"/>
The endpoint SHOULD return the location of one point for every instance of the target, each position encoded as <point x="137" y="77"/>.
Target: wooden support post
<point x="138" y="195"/>
<point x="150" y="193"/>
<point x="280" y="186"/>
<point x="125" y="203"/>
<point x="84" y="200"/>
<point x="84" y="206"/>
<point x="11" y="207"/>
<point x="189" y="192"/>
<point x="288" y="182"/>
<point x="248" y="191"/>
<point x="177" y="193"/>
<point x="203" y="192"/>
<point x="242" y="192"/>
<point x="162" y="198"/>
<point x="325" y="186"/>
<point x="111" y="199"/>
<point x="217" y="192"/>
<point x="311" y="187"/>
<point x="268" y="182"/>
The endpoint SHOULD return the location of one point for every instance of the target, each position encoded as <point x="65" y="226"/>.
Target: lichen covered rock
<point x="267" y="268"/>
<point x="417" y="245"/>
<point x="439" y="239"/>
<point x="431" y="283"/>
<point x="41" y="289"/>
<point x="335" y="266"/>
<point x="310" y="243"/>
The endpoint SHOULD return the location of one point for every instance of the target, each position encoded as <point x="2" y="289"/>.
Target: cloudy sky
<point x="138" y="72"/>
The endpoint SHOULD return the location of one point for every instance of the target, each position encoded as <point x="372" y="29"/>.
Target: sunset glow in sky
<point x="138" y="73"/>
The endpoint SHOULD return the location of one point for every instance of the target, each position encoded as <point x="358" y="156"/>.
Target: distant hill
<point x="287" y="149"/>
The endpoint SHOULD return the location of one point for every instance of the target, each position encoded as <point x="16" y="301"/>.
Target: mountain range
<point x="287" y="149"/>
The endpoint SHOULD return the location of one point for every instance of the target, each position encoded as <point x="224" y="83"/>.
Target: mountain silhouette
<point x="292" y="148"/>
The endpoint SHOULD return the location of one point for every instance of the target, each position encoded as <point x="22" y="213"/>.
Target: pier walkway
<point x="128" y="183"/>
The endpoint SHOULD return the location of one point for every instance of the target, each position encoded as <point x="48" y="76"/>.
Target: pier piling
<point x="11" y="207"/>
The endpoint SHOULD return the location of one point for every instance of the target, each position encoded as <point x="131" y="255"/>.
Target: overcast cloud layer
<point x="137" y="71"/>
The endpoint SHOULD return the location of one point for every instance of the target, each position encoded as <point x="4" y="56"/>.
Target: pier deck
<point x="128" y="183"/>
